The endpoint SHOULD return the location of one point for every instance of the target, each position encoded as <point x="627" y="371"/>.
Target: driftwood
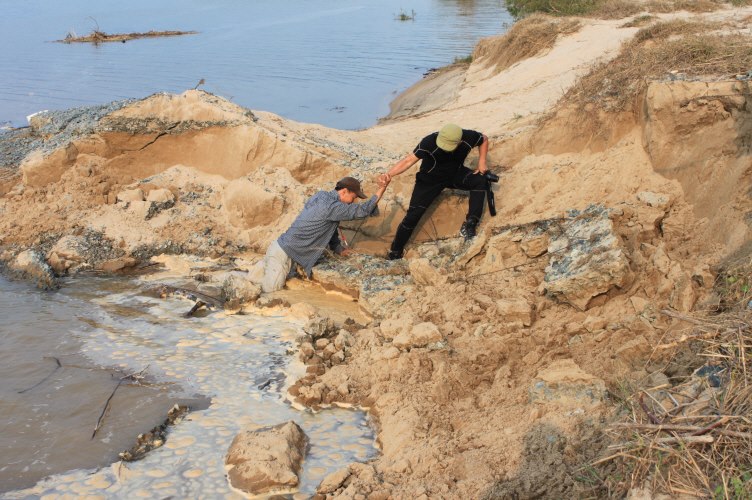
<point x="133" y="376"/>
<point x="97" y="36"/>
<point x="45" y="378"/>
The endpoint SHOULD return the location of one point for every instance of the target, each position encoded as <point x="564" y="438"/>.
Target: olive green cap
<point x="449" y="137"/>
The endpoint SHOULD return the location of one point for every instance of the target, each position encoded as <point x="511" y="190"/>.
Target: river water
<point x="323" y="61"/>
<point x="101" y="329"/>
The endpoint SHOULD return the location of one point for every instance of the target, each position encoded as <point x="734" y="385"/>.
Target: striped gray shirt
<point x="315" y="228"/>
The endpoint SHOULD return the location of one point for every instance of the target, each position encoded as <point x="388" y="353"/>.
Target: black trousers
<point x="425" y="191"/>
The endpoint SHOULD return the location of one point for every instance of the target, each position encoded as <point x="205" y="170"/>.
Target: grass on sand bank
<point x="527" y="38"/>
<point x="614" y="9"/>
<point x="679" y="48"/>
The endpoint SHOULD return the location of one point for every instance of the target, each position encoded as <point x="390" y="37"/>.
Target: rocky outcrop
<point x="586" y="259"/>
<point x="266" y="459"/>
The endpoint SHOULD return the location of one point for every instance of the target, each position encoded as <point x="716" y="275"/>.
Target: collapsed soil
<point x="508" y="397"/>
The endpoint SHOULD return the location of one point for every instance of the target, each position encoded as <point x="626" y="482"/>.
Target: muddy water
<point x="322" y="61"/>
<point x="101" y="329"/>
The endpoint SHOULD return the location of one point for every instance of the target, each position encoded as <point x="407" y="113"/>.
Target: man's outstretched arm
<point x="343" y="211"/>
<point x="402" y="165"/>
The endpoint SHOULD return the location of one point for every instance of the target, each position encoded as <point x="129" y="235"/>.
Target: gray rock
<point x="587" y="259"/>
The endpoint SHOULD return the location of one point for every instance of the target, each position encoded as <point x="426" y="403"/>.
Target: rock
<point x="237" y="289"/>
<point x="270" y="301"/>
<point x="319" y="327"/>
<point x="503" y="251"/>
<point x="424" y="273"/>
<point x="343" y="340"/>
<point x="303" y="310"/>
<point x="594" y="323"/>
<point x="65" y="254"/>
<point x="380" y="295"/>
<point x="514" y="311"/>
<point x="654" y="200"/>
<point x="682" y="296"/>
<point x="160" y="196"/>
<point x="640" y="304"/>
<point x="321" y="343"/>
<point x="266" y="459"/>
<point x="391" y="327"/>
<point x="419" y="335"/>
<point x="564" y="380"/>
<point x="476" y="246"/>
<point x="390" y="352"/>
<point x="536" y="246"/>
<point x="129" y="195"/>
<point x="113" y="265"/>
<point x="587" y="259"/>
<point x="30" y="264"/>
<point x="306" y="350"/>
<point x="329" y="350"/>
<point x="333" y="481"/>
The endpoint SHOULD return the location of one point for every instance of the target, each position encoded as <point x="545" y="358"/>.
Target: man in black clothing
<point x="443" y="154"/>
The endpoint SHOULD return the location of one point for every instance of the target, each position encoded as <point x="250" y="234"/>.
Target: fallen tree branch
<point x="45" y="378"/>
<point x="132" y="376"/>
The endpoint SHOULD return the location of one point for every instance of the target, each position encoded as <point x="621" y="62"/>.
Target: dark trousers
<point x="425" y="191"/>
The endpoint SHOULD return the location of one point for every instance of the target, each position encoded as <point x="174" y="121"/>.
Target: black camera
<point x="491" y="177"/>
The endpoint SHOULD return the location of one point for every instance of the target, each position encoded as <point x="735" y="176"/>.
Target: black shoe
<point x="469" y="229"/>
<point x="392" y="255"/>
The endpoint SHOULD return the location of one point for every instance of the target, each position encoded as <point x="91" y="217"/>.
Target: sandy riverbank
<point x="491" y="366"/>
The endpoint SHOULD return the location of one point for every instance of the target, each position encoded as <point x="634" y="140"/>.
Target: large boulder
<point x="586" y="259"/>
<point x="266" y="459"/>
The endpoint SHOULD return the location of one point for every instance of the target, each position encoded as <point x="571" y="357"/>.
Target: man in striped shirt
<point x="314" y="230"/>
<point x="443" y="154"/>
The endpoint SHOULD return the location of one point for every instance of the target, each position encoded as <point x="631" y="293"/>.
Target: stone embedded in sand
<point x="266" y="459"/>
<point x="112" y="265"/>
<point x="535" y="246"/>
<point x="563" y="380"/>
<point x="391" y="327"/>
<point x="654" y="199"/>
<point x="587" y="259"/>
<point x="129" y="195"/>
<point x="160" y="196"/>
<point x="65" y="254"/>
<point x="514" y="310"/>
<point x="333" y="481"/>
<point x="419" y="335"/>
<point x="425" y="274"/>
<point x="503" y="251"/>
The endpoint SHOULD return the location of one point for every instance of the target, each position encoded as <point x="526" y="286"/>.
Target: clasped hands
<point x="383" y="180"/>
